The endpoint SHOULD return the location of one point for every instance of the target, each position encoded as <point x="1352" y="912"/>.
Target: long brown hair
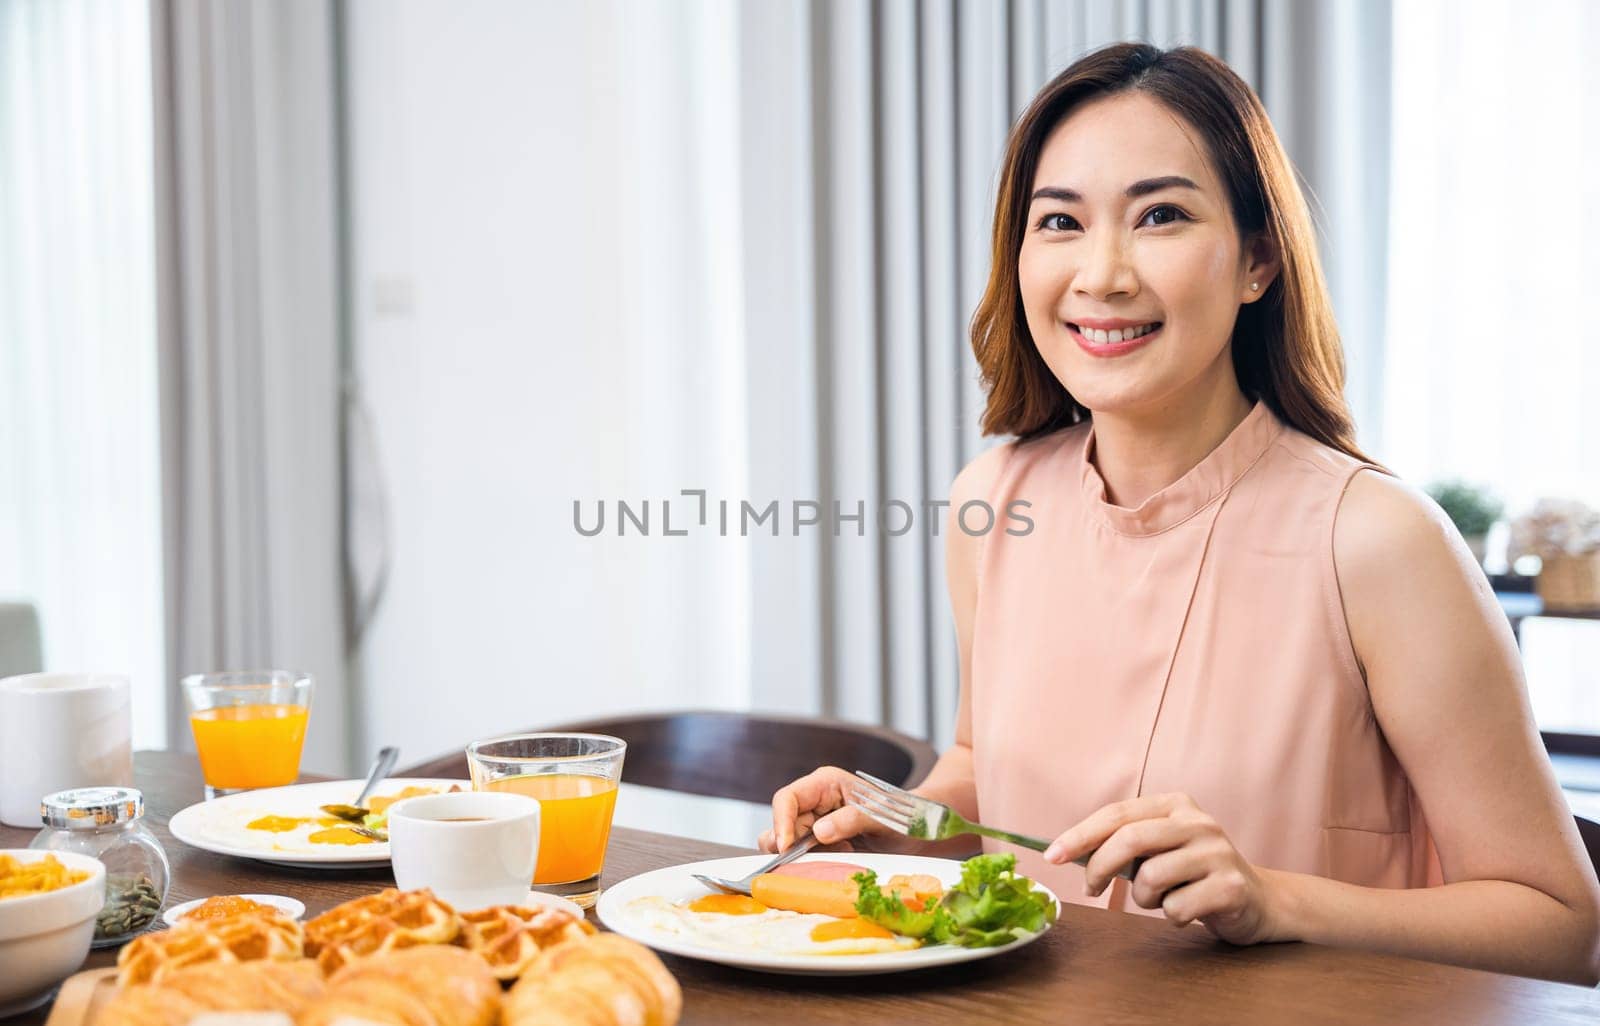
<point x="1285" y="345"/>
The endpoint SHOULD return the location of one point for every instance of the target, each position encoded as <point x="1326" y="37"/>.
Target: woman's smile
<point x="1096" y="339"/>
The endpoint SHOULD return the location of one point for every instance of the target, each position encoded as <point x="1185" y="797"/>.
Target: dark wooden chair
<point x="1590" y="832"/>
<point x="1584" y="747"/>
<point x="736" y="755"/>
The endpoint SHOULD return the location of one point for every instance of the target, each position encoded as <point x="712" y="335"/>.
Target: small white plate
<point x="221" y="825"/>
<point x="677" y="884"/>
<point x="539" y="899"/>
<point x="287" y="905"/>
<point x="295" y="909"/>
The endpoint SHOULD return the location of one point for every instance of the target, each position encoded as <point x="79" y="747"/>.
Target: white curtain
<point x="80" y="486"/>
<point x="1494" y="356"/>
<point x="1325" y="82"/>
<point x="248" y="314"/>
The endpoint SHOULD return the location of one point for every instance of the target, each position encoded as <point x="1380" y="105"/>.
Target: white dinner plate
<point x="221" y="825"/>
<point x="677" y="884"/>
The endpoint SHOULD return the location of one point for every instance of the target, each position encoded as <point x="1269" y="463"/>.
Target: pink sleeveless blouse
<point x="1195" y="644"/>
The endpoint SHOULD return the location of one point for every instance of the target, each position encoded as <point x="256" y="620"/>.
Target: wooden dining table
<point x="1093" y="966"/>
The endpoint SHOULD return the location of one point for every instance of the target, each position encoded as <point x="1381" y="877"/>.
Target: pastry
<point x="510" y="937"/>
<point x="183" y="994"/>
<point x="242" y="938"/>
<point x="395" y="958"/>
<point x="390" y="920"/>
<point x="432" y="985"/>
<point x="605" y="980"/>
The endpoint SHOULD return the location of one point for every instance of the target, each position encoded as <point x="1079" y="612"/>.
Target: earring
<point x="1255" y="286"/>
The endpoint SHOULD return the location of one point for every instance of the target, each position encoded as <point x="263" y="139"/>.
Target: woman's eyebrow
<point x="1134" y="191"/>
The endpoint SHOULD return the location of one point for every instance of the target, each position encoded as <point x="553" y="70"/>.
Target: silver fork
<point x="925" y="819"/>
<point x="793" y="852"/>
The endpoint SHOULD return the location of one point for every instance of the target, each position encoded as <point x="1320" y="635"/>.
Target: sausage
<point x="821" y="870"/>
<point x="803" y="894"/>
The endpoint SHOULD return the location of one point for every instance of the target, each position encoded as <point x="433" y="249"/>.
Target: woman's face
<point x="1129" y="227"/>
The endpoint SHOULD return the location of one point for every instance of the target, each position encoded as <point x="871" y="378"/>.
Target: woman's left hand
<point x="1191" y="871"/>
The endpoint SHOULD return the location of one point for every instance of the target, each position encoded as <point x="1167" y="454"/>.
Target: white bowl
<point x="44" y="938"/>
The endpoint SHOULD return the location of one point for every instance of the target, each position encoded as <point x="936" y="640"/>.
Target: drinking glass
<point x="249" y="727"/>
<point x="574" y="777"/>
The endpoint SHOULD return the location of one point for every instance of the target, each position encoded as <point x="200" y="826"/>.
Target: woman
<point x="1231" y="646"/>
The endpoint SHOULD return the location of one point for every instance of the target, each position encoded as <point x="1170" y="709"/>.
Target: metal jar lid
<point x="85" y="808"/>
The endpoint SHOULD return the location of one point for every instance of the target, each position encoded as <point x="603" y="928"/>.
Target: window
<point x="1493" y="353"/>
<point x="80" y="484"/>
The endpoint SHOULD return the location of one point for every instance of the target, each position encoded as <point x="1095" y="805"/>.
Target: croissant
<point x="604" y="980"/>
<point x="261" y="986"/>
<point x="432" y="985"/>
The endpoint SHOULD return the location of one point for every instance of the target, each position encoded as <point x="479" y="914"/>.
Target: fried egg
<point x="270" y="831"/>
<point x="737" y="923"/>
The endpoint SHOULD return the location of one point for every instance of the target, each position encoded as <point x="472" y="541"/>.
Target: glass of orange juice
<point x="575" y="778"/>
<point x="249" y="727"/>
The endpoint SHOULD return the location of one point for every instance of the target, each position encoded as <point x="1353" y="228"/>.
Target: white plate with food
<point x="222" y="905"/>
<point x="803" y="920"/>
<point x="286" y="825"/>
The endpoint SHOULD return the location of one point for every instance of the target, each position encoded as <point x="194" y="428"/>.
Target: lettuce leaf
<point x="990" y="907"/>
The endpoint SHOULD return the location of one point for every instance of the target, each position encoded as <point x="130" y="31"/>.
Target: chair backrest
<point x="1589" y="830"/>
<point x="737" y="755"/>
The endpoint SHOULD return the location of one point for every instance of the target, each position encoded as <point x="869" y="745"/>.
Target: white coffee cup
<point x="61" y="730"/>
<point x="471" y="848"/>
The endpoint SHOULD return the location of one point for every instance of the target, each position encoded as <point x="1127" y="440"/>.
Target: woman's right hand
<point x="816" y="802"/>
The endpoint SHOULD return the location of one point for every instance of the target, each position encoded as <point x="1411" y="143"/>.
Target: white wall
<point x="523" y="203"/>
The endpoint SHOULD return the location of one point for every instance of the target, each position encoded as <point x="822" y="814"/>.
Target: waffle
<point x="390" y="920"/>
<point x="510" y="937"/>
<point x="241" y="938"/>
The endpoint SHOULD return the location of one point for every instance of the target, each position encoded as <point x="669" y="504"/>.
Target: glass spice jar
<point x="105" y="822"/>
